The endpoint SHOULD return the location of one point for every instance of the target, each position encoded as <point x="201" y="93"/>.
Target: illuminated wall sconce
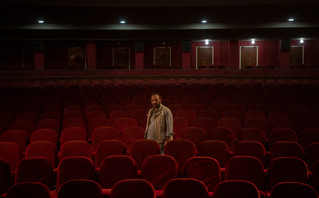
<point x="253" y="41"/>
<point x="206" y="42"/>
<point x="291" y="19"/>
<point x="122" y="22"/>
<point x="301" y="40"/>
<point x="40" y="21"/>
<point x="204" y="21"/>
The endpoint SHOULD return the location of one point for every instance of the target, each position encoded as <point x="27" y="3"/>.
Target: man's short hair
<point x="156" y="94"/>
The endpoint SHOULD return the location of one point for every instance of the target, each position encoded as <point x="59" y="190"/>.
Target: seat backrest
<point x="121" y="123"/>
<point x="194" y="134"/>
<point x="104" y="133"/>
<point x="293" y="190"/>
<point x="96" y="123"/>
<point x="35" y="169"/>
<point x="48" y="124"/>
<point x="222" y="133"/>
<point x="10" y="152"/>
<point x="159" y="169"/>
<point x="246" y="168"/>
<point x="236" y="188"/>
<point x="28" y="190"/>
<point x="258" y="123"/>
<point x="286" y="149"/>
<point x="312" y="154"/>
<point x="75" y="167"/>
<point x="16" y="135"/>
<point x="73" y="133"/>
<point x="216" y="149"/>
<point x="143" y="148"/>
<point x="114" y="115"/>
<point x="281" y="123"/>
<point x="80" y="188"/>
<point x="76" y="148"/>
<point x="25" y="125"/>
<point x="44" y="135"/>
<point x="205" y="169"/>
<point x="109" y="147"/>
<point x="133" y="187"/>
<point x="283" y="169"/>
<point x="252" y="133"/>
<point x="180" y="150"/>
<point x="42" y="149"/>
<point x="130" y="134"/>
<point x="73" y="122"/>
<point x="250" y="148"/>
<point x="231" y="123"/>
<point x="5" y="176"/>
<point x="115" y="168"/>
<point x="190" y="115"/>
<point x="179" y="124"/>
<point x="308" y="136"/>
<point x="282" y="134"/>
<point x="185" y="188"/>
<point x="205" y="123"/>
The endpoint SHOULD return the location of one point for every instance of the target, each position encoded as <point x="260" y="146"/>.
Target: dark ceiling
<point x="158" y="20"/>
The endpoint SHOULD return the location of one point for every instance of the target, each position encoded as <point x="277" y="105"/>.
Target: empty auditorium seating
<point x="282" y="134"/>
<point x="252" y="133"/>
<point x="250" y="148"/>
<point x="124" y="122"/>
<point x="312" y="154"/>
<point x="231" y="123"/>
<point x="179" y="124"/>
<point x="205" y="123"/>
<point x="190" y="115"/>
<point x="25" y="125"/>
<point x="130" y="134"/>
<point x="103" y="133"/>
<point x="17" y="136"/>
<point x="308" y="136"/>
<point x="222" y="133"/>
<point x="216" y="149"/>
<point x="44" y="135"/>
<point x="114" y="115"/>
<point x="286" y="149"/>
<point x="258" y="123"/>
<point x="48" y="124"/>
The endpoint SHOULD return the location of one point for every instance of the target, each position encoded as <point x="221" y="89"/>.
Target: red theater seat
<point x="108" y="147"/>
<point x="284" y="169"/>
<point x="250" y="148"/>
<point x="216" y="149"/>
<point x="42" y="149"/>
<point x="29" y="190"/>
<point x="159" y="169"/>
<point x="194" y="134"/>
<point x="17" y="136"/>
<point x="133" y="188"/>
<point x="73" y="133"/>
<point x="236" y="188"/>
<point x="10" y="152"/>
<point x="246" y="168"/>
<point x="205" y="169"/>
<point x="115" y="168"/>
<point x="76" y="167"/>
<point x="140" y="149"/>
<point x="103" y="133"/>
<point x="44" y="135"/>
<point x="308" y="136"/>
<point x="282" y="134"/>
<point x="190" y="115"/>
<point x="185" y="188"/>
<point x="5" y="176"/>
<point x="35" y="169"/>
<point x="252" y="133"/>
<point x="75" y="148"/>
<point x="231" y="123"/>
<point x="286" y="149"/>
<point x="130" y="134"/>
<point x="80" y="188"/>
<point x="179" y="124"/>
<point x="222" y="133"/>
<point x="293" y="190"/>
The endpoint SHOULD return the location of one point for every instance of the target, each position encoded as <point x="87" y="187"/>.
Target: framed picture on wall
<point x="162" y="56"/>
<point x="77" y="58"/>
<point x="248" y="57"/>
<point x="121" y="57"/>
<point x="204" y="56"/>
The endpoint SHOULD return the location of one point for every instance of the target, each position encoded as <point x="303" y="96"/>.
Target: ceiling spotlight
<point x="204" y="21"/>
<point x="291" y="19"/>
<point x="206" y="42"/>
<point x="40" y="21"/>
<point x="122" y="21"/>
<point x="301" y="40"/>
<point x="253" y="41"/>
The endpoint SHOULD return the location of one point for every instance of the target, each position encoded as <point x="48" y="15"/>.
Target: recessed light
<point x="253" y="41"/>
<point x="206" y="42"/>
<point x="291" y="19"/>
<point x="41" y="21"/>
<point x="301" y="40"/>
<point x="122" y="21"/>
<point x="204" y="21"/>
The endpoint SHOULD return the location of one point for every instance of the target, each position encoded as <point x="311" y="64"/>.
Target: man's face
<point x="156" y="101"/>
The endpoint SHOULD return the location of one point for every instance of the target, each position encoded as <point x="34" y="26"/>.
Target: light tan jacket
<point x="163" y="123"/>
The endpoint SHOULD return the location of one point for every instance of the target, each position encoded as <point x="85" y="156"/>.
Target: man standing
<point x="159" y="125"/>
